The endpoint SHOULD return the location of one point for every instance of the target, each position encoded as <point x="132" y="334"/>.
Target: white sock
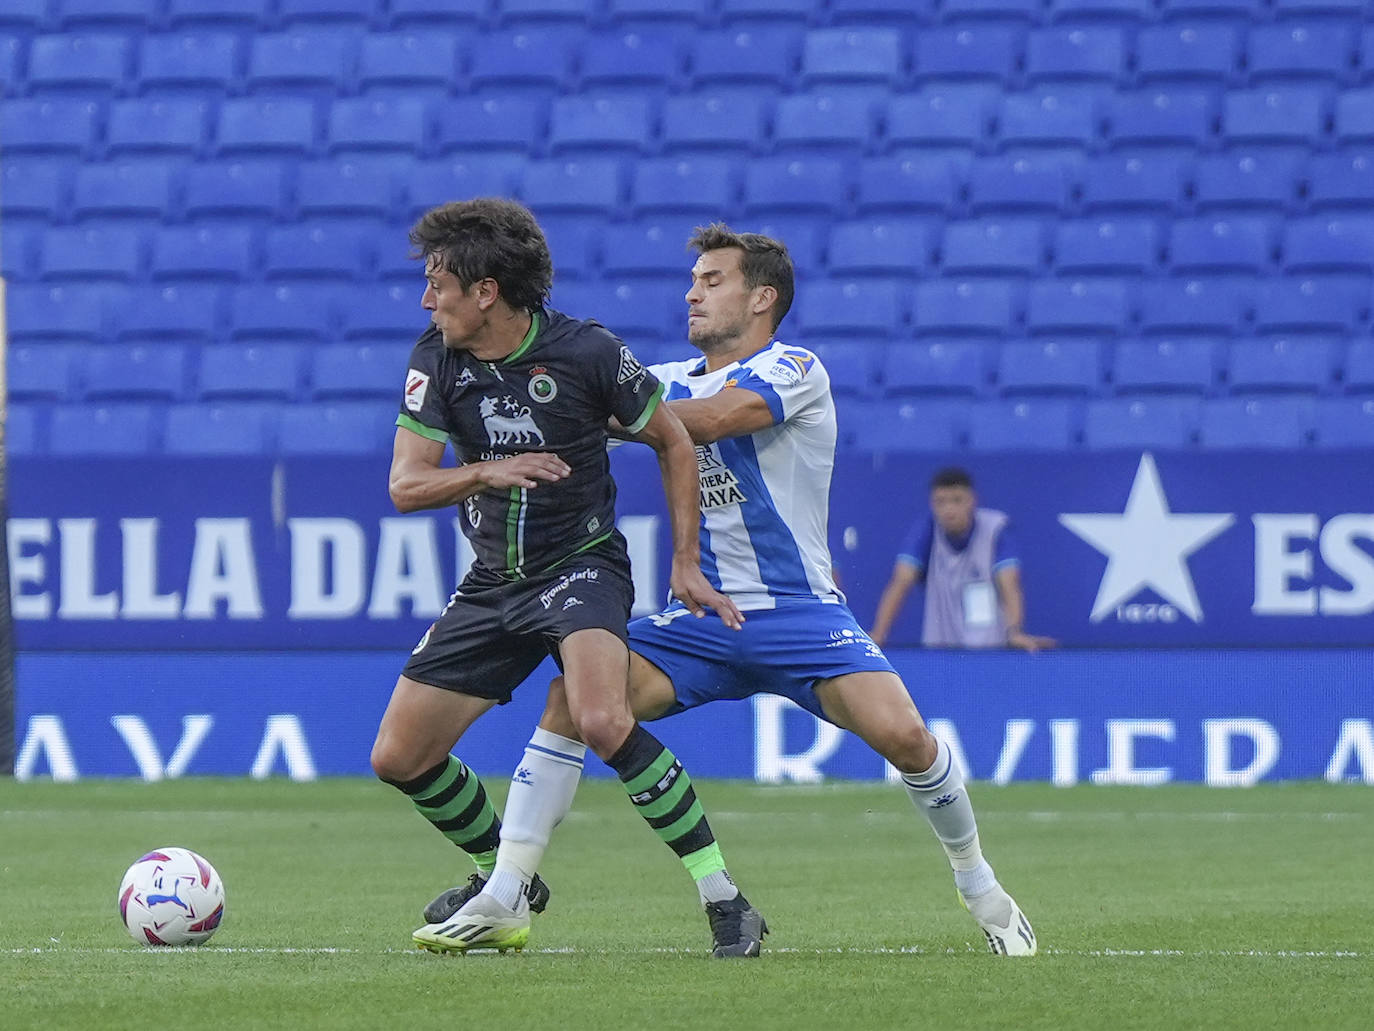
<point x="940" y="796"/>
<point x="716" y="887"/>
<point x="541" y="793"/>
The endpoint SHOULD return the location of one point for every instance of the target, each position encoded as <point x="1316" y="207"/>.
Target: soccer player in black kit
<point x="525" y="394"/>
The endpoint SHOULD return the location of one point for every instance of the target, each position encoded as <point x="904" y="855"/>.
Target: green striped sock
<point x="662" y="793"/>
<point x="451" y="797"/>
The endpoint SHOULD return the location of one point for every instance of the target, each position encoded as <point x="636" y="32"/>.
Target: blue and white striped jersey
<point x="765" y="497"/>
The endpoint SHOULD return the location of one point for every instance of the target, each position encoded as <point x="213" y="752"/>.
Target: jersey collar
<point x="524" y="344"/>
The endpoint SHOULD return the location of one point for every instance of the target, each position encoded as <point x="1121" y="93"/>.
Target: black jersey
<point x="554" y="393"/>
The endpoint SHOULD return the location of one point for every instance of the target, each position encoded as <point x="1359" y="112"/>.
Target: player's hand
<point x="691" y="587"/>
<point x="1030" y="642"/>
<point x="528" y="470"/>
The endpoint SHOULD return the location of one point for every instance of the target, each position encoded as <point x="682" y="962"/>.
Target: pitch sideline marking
<point x="911" y="950"/>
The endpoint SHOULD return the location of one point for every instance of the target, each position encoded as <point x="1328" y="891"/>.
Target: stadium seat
<point x="58" y="128"/>
<point x="905" y="186"/>
<point x="431" y="183"/>
<point x="353" y="13"/>
<point x="483" y="126"/>
<point x="1024" y="424"/>
<point x="1313" y="304"/>
<point x="644" y="61"/>
<point x="384" y="316"/>
<point x="803" y="235"/>
<point x="94" y="64"/>
<point x="1281" y="365"/>
<point x="993" y="247"/>
<point x="1307" y="8"/>
<point x="110" y="430"/>
<point x="585" y="186"/>
<point x="1247" y="181"/>
<point x="276" y="126"/>
<point x="1221" y="245"/>
<point x="889" y="13"/>
<point x="1354" y="117"/>
<point x="1165" y="423"/>
<point x="173" y="126"/>
<point x="353" y="371"/>
<point x="852" y="307"/>
<point x="53" y="315"/>
<point x="1055" y="367"/>
<point x="938" y="116"/>
<point x="853" y="55"/>
<point x="823" y="120"/>
<point x="1234" y="10"/>
<point x="1167" y="365"/>
<point x="414" y="64"/>
<point x="1135" y="185"/>
<point x="116" y="372"/>
<point x="852" y="367"/>
<point x="757" y="56"/>
<point x="1357" y="370"/>
<point x="766" y="12"/>
<point x="425" y="15"/>
<point x="818" y="185"/>
<point x="687" y="14"/>
<point x="91" y="252"/>
<point x="1191" y="52"/>
<point x="901" y="425"/>
<point x="24" y="429"/>
<point x="198" y="63"/>
<point x="1340" y="180"/>
<point x="1047" y="119"/>
<point x="186" y="313"/>
<point x="346" y="189"/>
<point x="1099" y="12"/>
<point x="337" y="428"/>
<point x="932" y="366"/>
<point x="712" y="121"/>
<point x="535" y="61"/>
<point x="1002" y="10"/>
<point x="599" y="125"/>
<point x="1083" y="54"/>
<point x="707" y="187"/>
<point x="574" y="242"/>
<point x="1345" y="423"/>
<point x="185" y="252"/>
<point x="330" y="252"/>
<point x="1274" y="115"/>
<point x="359" y="125"/>
<point x="122" y="189"/>
<point x="1106" y="246"/>
<point x="217" y="13"/>
<point x="1193" y="306"/>
<point x="1079" y="306"/>
<point x="880" y="247"/>
<point x="964" y="307"/>
<point x="25" y="16"/>
<point x="249" y="372"/>
<point x="979" y="53"/>
<point x="268" y="313"/>
<point x="1268" y="423"/>
<point x="544" y="14"/>
<point x="17" y="247"/>
<point x="1330" y="243"/>
<point x="235" y="190"/>
<point x="1005" y="184"/>
<point x="648" y="247"/>
<point x="221" y="429"/>
<point x="637" y="311"/>
<point x="314" y="62"/>
<point x="1184" y="120"/>
<point x="1311" y="50"/>
<point x="42" y="372"/>
<point x="11" y="63"/>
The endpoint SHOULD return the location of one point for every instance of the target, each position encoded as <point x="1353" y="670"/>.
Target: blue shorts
<point x="781" y="651"/>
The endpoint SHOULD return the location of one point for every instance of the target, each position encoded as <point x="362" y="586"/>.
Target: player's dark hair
<point x="489" y="238"/>
<point x="951" y="476"/>
<point x="765" y="261"/>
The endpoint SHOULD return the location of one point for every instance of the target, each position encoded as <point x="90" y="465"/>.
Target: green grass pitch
<point x="1176" y="907"/>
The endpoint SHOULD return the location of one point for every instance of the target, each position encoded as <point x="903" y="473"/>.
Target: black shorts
<point x="494" y="633"/>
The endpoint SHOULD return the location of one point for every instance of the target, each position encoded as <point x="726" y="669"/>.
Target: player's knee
<point x="603" y="729"/>
<point x="390" y="765"/>
<point x="912" y="747"/>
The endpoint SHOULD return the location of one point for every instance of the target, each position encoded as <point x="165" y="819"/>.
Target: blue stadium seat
<point x="1190" y="52"/>
<point x="1274" y="115"/>
<point x="1081" y="54"/>
<point x="302" y="251"/>
<point x="1354" y="119"/>
<point x="17" y="247"/>
<point x="1094" y="306"/>
<point x="431" y="183"/>
<point x="537" y="61"/>
<point x="964" y="307"/>
<point x="172" y="126"/>
<point x="351" y="190"/>
<point x="880" y="246"/>
<point x="1329" y="243"/>
<point x="314" y="62"/>
<point x="599" y="125"/>
<point x="122" y="189"/>
<point x="249" y="372"/>
<point x="1048" y="119"/>
<point x="762" y="55"/>
<point x="1004" y="184"/>
<point x="646" y="61"/>
<point x="59" y="128"/>
<point x="1345" y="423"/>
<point x="11" y="63"/>
<point x="1256" y="423"/>
<point x="818" y="185"/>
<point x="24" y="429"/>
<point x="117" y="372"/>
<point x="1166" y="365"/>
<point x="235" y="190"/>
<point x="1310" y="50"/>
<point x="94" y="64"/>
<point x="245" y="14"/>
<point x="222" y="253"/>
<point x="25" y="16"/>
<point x="200" y="63"/>
<point x="859" y="307"/>
<point x="221" y="429"/>
<point x="1138" y="184"/>
<point x="712" y="121"/>
<point x="1098" y="12"/>
<point x="853" y="55"/>
<point x="1366" y="50"/>
<point x="393" y="125"/>
<point x="824" y="121"/>
<point x="993" y="247"/>
<point x="687" y="14"/>
<point x="1055" y="367"/>
<point x="1110" y="246"/>
<point x="337" y="428"/>
<point x="1242" y="10"/>
<point x="1357" y="373"/>
<point x="707" y="187"/>
<point x="933" y="366"/>
<point x="175" y="314"/>
<point x="649" y="247"/>
<point x="1002" y="10"/>
<point x="904" y="425"/>
<point x="1307" y="8"/>
<point x="574" y="242"/>
<point x="1165" y="423"/>
<point x="586" y="186"/>
<point x="410" y="63"/>
<point x="903" y="186"/>
<point x="1024" y="424"/>
<point x="852" y="367"/>
<point x="939" y="116"/>
<point x="92" y="252"/>
<point x="543" y="14"/>
<point x="1341" y="180"/>
<point x="1301" y="365"/>
<point x="1193" y="306"/>
<point x="352" y="371"/>
<point x="425" y="15"/>
<point x="766" y="12"/>
<point x="1236" y="181"/>
<point x="1314" y="304"/>
<point x="1221" y="245"/>
<point x="284" y="125"/>
<point x="41" y="372"/>
<point x="1180" y="119"/>
<point x="635" y="310"/>
<point x="481" y="126"/>
<point x="804" y="236"/>
<point x="104" y="429"/>
<point x="354" y="13"/>
<point x="53" y="315"/>
<point x="980" y="53"/>
<point x="380" y="316"/>
<point x="888" y="13"/>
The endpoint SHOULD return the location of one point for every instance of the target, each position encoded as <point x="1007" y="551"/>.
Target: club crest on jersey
<point x="417" y="385"/>
<point x="790" y="367"/>
<point x="507" y="421"/>
<point x="542" y="387"/>
<point x="629" y="366"/>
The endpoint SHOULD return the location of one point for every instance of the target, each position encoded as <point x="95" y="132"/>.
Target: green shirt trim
<point x="524" y="344"/>
<point x="643" y="420"/>
<point x="415" y="426"/>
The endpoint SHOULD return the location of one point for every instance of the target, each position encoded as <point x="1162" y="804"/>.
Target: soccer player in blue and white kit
<point x="763" y="419"/>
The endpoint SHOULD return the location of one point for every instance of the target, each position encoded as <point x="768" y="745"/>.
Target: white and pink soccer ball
<point x="171" y="896"/>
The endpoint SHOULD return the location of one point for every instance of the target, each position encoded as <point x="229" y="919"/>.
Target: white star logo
<point x="1147" y="546"/>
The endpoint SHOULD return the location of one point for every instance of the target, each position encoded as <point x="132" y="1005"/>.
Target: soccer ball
<point x="171" y="896"/>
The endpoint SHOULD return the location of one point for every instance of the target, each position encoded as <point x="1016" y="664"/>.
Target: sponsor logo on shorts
<point x="546" y="599"/>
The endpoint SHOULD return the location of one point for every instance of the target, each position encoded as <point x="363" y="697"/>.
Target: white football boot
<point x="482" y="923"/>
<point x="1008" y="931"/>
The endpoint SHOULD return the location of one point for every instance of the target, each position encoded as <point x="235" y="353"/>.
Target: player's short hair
<point x="951" y="476"/>
<point x="488" y="238"/>
<point x="765" y="261"/>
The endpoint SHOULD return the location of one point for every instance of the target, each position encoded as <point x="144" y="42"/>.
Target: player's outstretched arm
<point x="729" y="413"/>
<point x="418" y="480"/>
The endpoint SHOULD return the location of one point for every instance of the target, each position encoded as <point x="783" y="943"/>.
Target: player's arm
<point x="904" y="577"/>
<point x="419" y="481"/>
<point x="1007" y="580"/>
<point x="677" y="459"/>
<point x="734" y="412"/>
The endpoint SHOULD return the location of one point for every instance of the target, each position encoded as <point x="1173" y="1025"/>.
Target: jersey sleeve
<point x="632" y="391"/>
<point x="789" y="380"/>
<point x="1005" y="554"/>
<point x="915" y="549"/>
<point x="422" y="408"/>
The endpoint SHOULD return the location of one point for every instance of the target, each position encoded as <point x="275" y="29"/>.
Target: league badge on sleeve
<point x="417" y="385"/>
<point x="791" y="367"/>
<point x="629" y="366"/>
